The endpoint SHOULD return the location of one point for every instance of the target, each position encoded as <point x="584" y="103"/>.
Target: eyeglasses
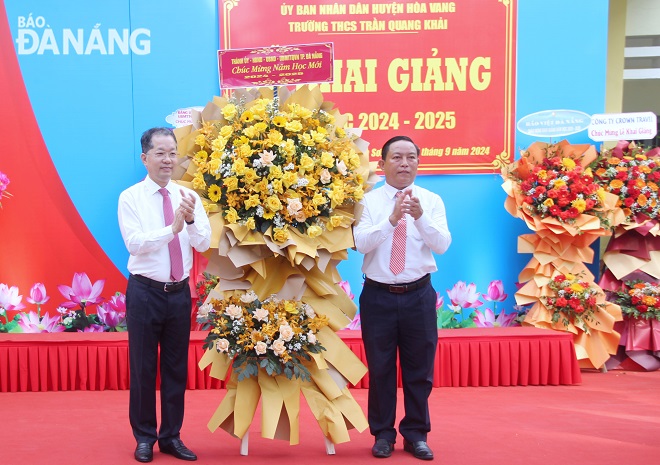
<point x="163" y="155"/>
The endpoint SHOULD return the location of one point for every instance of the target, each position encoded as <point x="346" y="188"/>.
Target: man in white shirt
<point x="401" y="226"/>
<point x="160" y="223"/>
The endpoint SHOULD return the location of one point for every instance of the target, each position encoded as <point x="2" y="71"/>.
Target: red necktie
<point x="176" y="259"/>
<point x="398" y="256"/>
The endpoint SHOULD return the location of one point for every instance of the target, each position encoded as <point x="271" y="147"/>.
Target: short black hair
<point x="147" y="136"/>
<point x="386" y="147"/>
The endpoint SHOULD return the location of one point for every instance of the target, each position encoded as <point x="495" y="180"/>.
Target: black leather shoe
<point x="419" y="449"/>
<point x="144" y="452"/>
<point x="177" y="449"/>
<point x="382" y="448"/>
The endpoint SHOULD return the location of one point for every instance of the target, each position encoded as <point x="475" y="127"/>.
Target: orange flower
<point x="649" y="300"/>
<point x="642" y="199"/>
<point x="613" y="161"/>
<point x="616" y="184"/>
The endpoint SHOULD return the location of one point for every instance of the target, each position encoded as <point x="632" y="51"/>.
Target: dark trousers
<point x="406" y="322"/>
<point x="157" y="318"/>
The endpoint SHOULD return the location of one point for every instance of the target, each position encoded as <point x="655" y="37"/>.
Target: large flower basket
<point x="632" y="255"/>
<point x="553" y="191"/>
<point x="280" y="178"/>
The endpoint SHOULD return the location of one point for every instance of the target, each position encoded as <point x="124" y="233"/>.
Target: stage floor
<point x="611" y="418"/>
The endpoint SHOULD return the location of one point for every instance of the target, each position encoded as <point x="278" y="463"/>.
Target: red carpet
<point x="611" y="418"/>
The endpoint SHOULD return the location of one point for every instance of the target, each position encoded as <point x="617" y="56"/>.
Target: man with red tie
<point x="160" y="223"/>
<point x="401" y="226"/>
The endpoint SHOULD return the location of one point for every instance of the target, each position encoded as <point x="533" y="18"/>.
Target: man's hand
<point x="187" y="207"/>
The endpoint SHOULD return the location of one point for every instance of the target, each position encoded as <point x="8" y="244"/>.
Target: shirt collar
<point x="391" y="190"/>
<point x="153" y="188"/>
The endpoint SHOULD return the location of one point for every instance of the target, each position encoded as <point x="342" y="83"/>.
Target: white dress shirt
<point x="144" y="232"/>
<point x="373" y="235"/>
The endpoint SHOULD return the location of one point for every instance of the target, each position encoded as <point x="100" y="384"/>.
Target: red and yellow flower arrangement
<point x="552" y="188"/>
<point x="633" y="176"/>
<point x="575" y="300"/>
<point x="640" y="299"/>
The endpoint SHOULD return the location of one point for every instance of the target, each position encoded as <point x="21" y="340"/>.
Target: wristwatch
<point x="190" y="222"/>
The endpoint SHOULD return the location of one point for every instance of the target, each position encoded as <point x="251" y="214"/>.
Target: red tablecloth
<point x="466" y="357"/>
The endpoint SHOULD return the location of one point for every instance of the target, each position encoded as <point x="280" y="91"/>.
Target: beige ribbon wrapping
<point x="302" y="268"/>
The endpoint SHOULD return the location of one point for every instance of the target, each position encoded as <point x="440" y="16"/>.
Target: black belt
<point x="167" y="287"/>
<point x="400" y="288"/>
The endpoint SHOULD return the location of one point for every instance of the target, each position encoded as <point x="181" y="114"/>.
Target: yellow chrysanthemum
<point x="198" y="182"/>
<point x="577" y="287"/>
<point x="214" y="192"/>
<point x="579" y="204"/>
<point x="247" y="117"/>
<point x="548" y="202"/>
<point x="200" y="140"/>
<point x="568" y="163"/>
<point x="280" y="121"/>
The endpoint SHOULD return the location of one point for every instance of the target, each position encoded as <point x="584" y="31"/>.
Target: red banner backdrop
<point x="441" y="72"/>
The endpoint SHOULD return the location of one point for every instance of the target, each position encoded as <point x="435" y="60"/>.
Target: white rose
<point x="234" y="311"/>
<point x="248" y="297"/>
<point x="311" y="337"/>
<point x="278" y="347"/>
<point x="293" y="206"/>
<point x="309" y="311"/>
<point x="222" y="345"/>
<point x="204" y="310"/>
<point x="326" y="177"/>
<point x="341" y="167"/>
<point x="260" y="348"/>
<point x="286" y="332"/>
<point x="261" y="314"/>
<point x="267" y="157"/>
